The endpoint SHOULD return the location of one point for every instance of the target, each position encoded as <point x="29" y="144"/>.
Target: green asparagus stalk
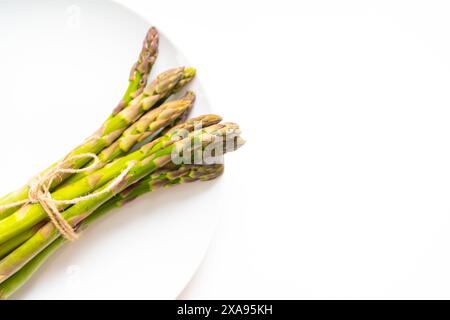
<point x="167" y="177"/>
<point x="137" y="82"/>
<point x="15" y="242"/>
<point x="162" y="87"/>
<point x="141" y="69"/>
<point x="181" y="119"/>
<point x="148" y="125"/>
<point x="159" y="90"/>
<point x="15" y="282"/>
<point x="188" y="126"/>
<point x="80" y="211"/>
<point x="31" y="214"/>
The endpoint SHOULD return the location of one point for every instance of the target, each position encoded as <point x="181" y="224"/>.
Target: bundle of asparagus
<point x="147" y="143"/>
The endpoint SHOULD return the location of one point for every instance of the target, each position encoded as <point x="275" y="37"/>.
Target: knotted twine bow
<point x="40" y="186"/>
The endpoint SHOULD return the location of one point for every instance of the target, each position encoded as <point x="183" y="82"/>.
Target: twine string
<point x="40" y="192"/>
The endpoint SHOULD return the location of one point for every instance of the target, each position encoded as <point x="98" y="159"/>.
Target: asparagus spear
<point x="31" y="214"/>
<point x="167" y="177"/>
<point x="148" y="125"/>
<point x="188" y="126"/>
<point x="137" y="82"/>
<point x="163" y="86"/>
<point x="80" y="211"/>
<point x="181" y="119"/>
<point x="15" y="242"/>
<point x="170" y="174"/>
<point x="141" y="69"/>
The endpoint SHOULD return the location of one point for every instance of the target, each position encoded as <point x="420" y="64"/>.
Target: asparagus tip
<point x="190" y="72"/>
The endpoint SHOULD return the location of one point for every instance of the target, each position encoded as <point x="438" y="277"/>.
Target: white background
<point x="343" y="190"/>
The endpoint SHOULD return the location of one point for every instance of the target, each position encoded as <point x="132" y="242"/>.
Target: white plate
<point x="63" y="67"/>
